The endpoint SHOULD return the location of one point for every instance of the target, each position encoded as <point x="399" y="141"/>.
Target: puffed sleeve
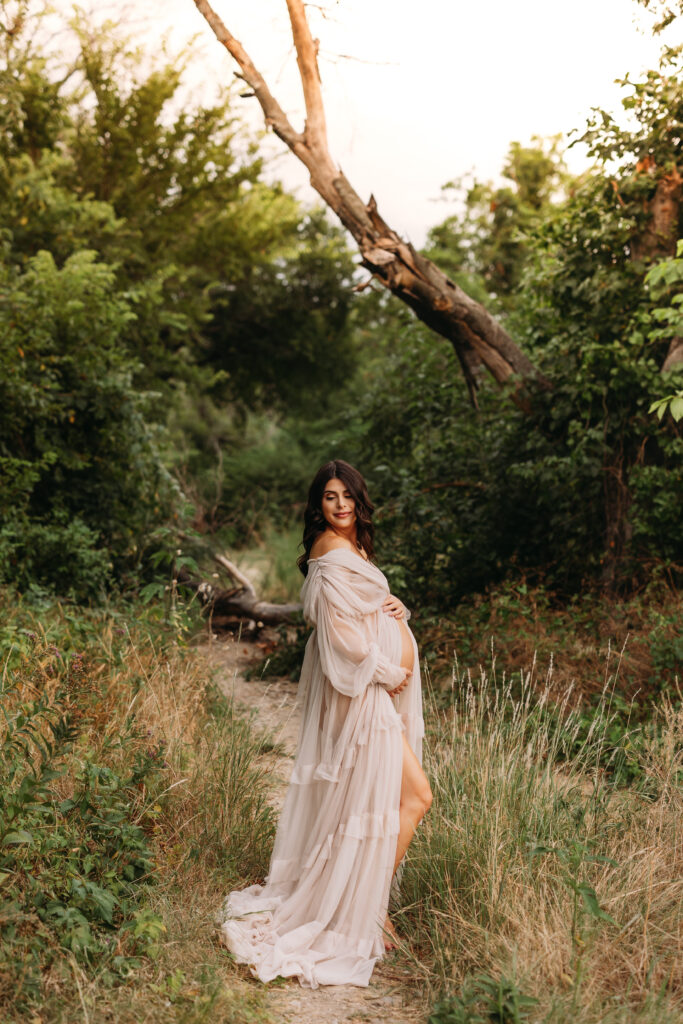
<point x="347" y="659"/>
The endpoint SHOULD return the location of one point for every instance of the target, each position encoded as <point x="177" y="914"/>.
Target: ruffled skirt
<point x="320" y="914"/>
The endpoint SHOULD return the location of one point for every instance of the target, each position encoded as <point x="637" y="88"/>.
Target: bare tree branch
<point x="241" y="602"/>
<point x="274" y="114"/>
<point x="315" y="133"/>
<point x="233" y="571"/>
<point x="478" y="339"/>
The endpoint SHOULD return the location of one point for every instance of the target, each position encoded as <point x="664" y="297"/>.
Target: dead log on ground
<point x="238" y="604"/>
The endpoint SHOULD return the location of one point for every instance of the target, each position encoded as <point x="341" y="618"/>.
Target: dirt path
<point x="391" y="996"/>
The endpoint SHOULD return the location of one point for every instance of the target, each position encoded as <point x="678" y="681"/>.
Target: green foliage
<point x="670" y="403"/>
<point x="484" y="246"/>
<point x="467" y="500"/>
<point x="665" y="281"/>
<point x="273" y="341"/>
<point x="131" y="794"/>
<point x="241" y="473"/>
<point x="577" y="487"/>
<point x="73" y="866"/>
<point x="637" y="637"/>
<point x="150" y="281"/>
<point x="254" y="288"/>
<point x="81" y="478"/>
<point x="484" y="999"/>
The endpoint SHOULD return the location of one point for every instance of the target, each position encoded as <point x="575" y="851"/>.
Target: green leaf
<point x="590" y="903"/>
<point x="676" y="408"/>
<point x="20" y="836"/>
<point x="151" y="591"/>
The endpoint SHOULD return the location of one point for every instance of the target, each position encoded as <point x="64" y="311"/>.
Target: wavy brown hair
<point x="314" y="520"/>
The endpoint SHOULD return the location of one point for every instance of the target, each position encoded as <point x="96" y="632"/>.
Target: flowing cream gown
<point x="319" y="915"/>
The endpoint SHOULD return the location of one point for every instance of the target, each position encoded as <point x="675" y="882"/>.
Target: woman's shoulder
<point x="327" y="542"/>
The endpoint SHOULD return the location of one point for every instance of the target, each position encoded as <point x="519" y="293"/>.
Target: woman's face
<point x="338" y="506"/>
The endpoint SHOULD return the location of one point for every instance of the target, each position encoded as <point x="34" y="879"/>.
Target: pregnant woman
<point x="357" y="790"/>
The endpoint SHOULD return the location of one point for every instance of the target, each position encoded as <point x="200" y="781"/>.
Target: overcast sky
<point x="435" y="88"/>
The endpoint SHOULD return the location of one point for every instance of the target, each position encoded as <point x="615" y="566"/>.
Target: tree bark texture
<point x="478" y="339"/>
<point x="237" y="603"/>
<point x="659" y="239"/>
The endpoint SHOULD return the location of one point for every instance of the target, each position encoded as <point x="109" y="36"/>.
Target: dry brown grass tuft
<point x="582" y="639"/>
<point x="556" y="879"/>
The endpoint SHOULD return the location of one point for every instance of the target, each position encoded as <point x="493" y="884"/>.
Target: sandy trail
<point x="391" y="996"/>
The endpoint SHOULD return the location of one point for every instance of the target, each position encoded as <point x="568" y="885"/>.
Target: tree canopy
<point x="144" y="260"/>
<point x="182" y="342"/>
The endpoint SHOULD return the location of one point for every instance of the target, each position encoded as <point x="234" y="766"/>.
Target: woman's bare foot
<point x="391" y="939"/>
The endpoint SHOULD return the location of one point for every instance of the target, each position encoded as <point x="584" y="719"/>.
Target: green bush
<point x="73" y="858"/>
<point x="132" y="798"/>
<point x="80" y="477"/>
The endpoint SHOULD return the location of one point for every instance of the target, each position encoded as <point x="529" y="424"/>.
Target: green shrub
<point x="80" y="477"/>
<point x="132" y="799"/>
<point x="73" y="857"/>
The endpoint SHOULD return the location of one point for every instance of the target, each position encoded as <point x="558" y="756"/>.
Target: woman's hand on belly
<point x="401" y="686"/>
<point x="392" y="606"/>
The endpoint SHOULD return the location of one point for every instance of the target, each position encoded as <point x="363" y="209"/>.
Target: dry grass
<point x="526" y="826"/>
<point x="548" y="876"/>
<point x="530" y="626"/>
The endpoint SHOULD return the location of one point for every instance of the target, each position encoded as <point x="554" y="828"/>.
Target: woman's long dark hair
<point x="314" y="520"/>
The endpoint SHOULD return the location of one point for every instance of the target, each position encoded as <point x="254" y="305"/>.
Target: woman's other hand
<point x="401" y="686"/>
<point x="392" y="606"/>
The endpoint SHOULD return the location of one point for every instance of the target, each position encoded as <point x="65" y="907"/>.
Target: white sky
<point x="447" y="84"/>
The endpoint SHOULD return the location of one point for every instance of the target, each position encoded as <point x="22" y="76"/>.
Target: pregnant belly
<point x="407" y="649"/>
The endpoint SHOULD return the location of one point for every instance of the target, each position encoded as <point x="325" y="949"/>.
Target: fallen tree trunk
<point x="240" y="603"/>
<point x="477" y="338"/>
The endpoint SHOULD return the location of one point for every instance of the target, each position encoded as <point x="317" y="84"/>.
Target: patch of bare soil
<point x="392" y="996"/>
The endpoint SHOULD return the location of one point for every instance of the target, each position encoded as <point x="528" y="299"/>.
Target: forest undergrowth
<point x="545" y="884"/>
<point x="131" y="796"/>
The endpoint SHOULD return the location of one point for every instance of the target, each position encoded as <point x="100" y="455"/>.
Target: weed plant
<point x="539" y="888"/>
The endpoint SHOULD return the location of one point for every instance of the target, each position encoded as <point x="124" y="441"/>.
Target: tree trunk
<point x="238" y="603"/>
<point x="478" y="339"/>
<point x="674" y="356"/>
<point x="660" y="237"/>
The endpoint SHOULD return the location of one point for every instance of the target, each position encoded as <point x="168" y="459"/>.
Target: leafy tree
<point x="254" y="285"/>
<point x="288" y="348"/>
<point x="80" y="479"/>
<point x="583" y="485"/>
<point x="666" y="285"/>
<point x="140" y="249"/>
<point x="483" y="245"/>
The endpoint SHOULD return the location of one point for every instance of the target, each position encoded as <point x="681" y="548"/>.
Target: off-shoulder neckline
<point x="346" y="551"/>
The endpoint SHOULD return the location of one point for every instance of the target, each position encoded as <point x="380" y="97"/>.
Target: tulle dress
<point x="319" y="915"/>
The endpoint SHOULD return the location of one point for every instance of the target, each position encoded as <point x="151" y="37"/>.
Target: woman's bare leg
<point x="416" y="799"/>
